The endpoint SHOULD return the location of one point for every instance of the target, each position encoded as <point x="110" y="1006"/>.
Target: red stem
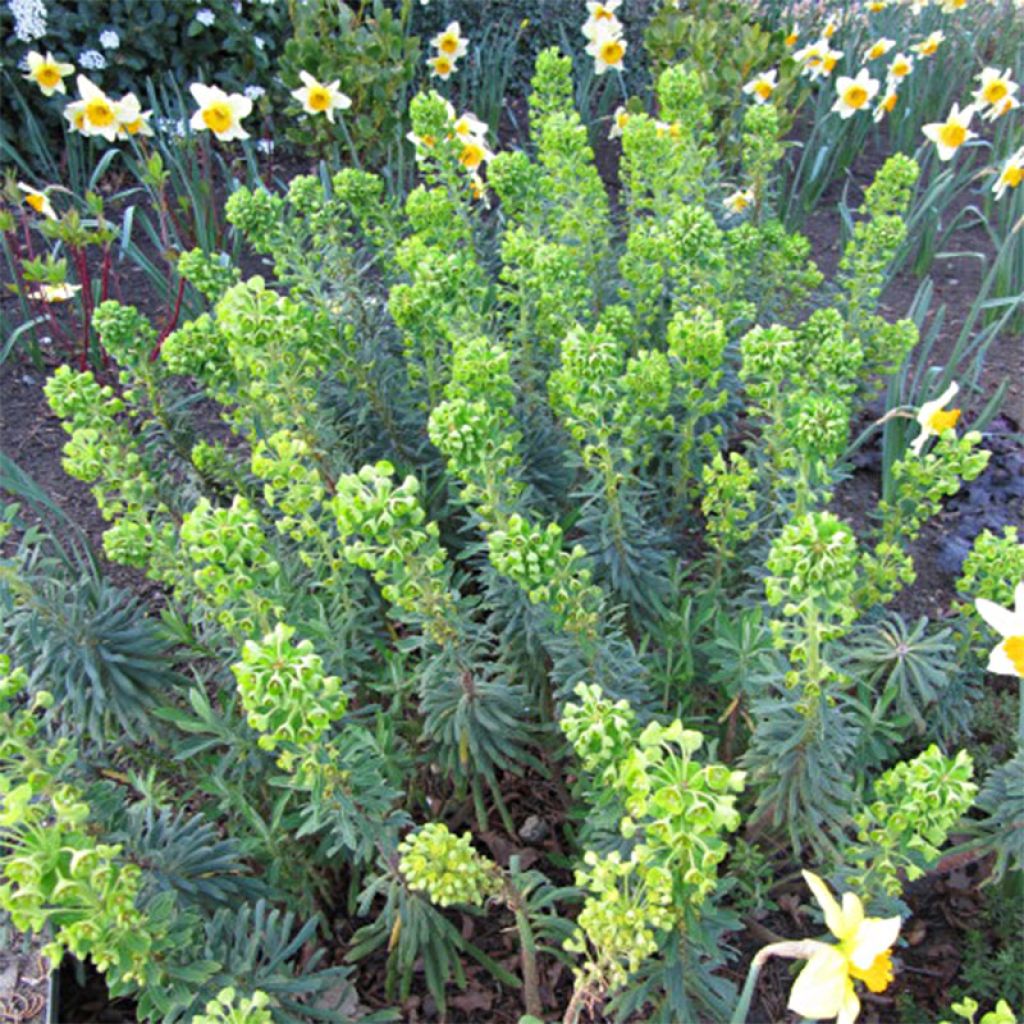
<point x="171" y="324"/>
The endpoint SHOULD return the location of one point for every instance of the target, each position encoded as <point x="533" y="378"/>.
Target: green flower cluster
<point x="915" y="806"/>
<point x="290" y="485"/>
<point x="447" y="868"/>
<point x="286" y="695"/>
<point x="231" y="1008"/>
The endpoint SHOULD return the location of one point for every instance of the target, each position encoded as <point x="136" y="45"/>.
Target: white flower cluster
<point x="92" y="60"/>
<point x="205" y="17"/>
<point x="29" y="19"/>
<point x="109" y="39"/>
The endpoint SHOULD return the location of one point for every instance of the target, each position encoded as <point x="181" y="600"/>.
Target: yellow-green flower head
<point x="824" y="988"/>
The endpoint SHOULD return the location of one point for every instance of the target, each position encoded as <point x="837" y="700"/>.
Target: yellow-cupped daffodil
<point x="219" y="112"/>
<point x="1007" y="657"/>
<point x="48" y="72"/>
<point x="321" y="97"/>
<point x="1011" y="175"/>
<point x="37" y="200"/>
<point x="933" y="417"/>
<point x="825" y="987"/>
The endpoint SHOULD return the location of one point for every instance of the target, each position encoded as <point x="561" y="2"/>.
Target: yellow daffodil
<point x="473" y="154"/>
<point x="37" y="200"/>
<point x="830" y="29"/>
<point x="441" y="66"/>
<point x="219" y="112"/>
<point x="933" y="417"/>
<point x="738" y="201"/>
<point x="99" y="112"/>
<point x="318" y="98"/>
<point x="885" y="105"/>
<point x="450" y="43"/>
<point x="854" y="94"/>
<point x="54" y="292"/>
<point x="608" y="52"/>
<point x="47" y="72"/>
<point x="619" y="121"/>
<point x="879" y="48"/>
<point x="930" y="45"/>
<point x="824" y="988"/>
<point x="899" y="67"/>
<point x="762" y="86"/>
<point x="951" y="134"/>
<point x="1011" y="175"/>
<point x="131" y="118"/>
<point x="1007" y="657"/>
<point x="994" y="87"/>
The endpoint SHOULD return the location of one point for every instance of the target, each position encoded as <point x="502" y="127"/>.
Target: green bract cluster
<point x="446" y="867"/>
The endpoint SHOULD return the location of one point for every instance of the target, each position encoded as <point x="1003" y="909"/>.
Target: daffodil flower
<point x="37" y="200"/>
<point x="762" y="86"/>
<point x="99" y="112"/>
<point x="994" y="87"/>
<point x="929" y="45"/>
<point x="441" y="66"/>
<point x="1007" y="657"/>
<point x="951" y="134"/>
<point x="619" y="121"/>
<point x="47" y="72"/>
<point x="219" y="112"/>
<point x="1004" y="106"/>
<point x="885" y="104"/>
<point x="824" y="988"/>
<point x="318" y="98"/>
<point x="1011" y="175"/>
<point x="54" y="292"/>
<point x="607" y="25"/>
<point x="450" y="42"/>
<point x="899" y="67"/>
<point x="468" y="126"/>
<point x="854" y="93"/>
<point x="131" y="118"/>
<point x="934" y="418"/>
<point x="608" y="52"/>
<point x="473" y="154"/>
<point x="879" y="48"/>
<point x="738" y="201"/>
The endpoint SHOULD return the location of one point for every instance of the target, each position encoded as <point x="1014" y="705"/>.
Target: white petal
<point x="87" y="90"/>
<point x="820" y="989"/>
<point x="999" y="662"/>
<point x="200" y="93"/>
<point x="851" y="1007"/>
<point x="307" y="79"/>
<point x="1001" y="619"/>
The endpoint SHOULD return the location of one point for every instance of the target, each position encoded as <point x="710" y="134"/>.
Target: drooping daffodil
<point x="825" y="987"/>
<point x="1007" y="657"/>
<point x="933" y="417"/>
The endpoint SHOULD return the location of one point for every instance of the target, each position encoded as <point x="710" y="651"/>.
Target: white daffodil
<point x="933" y="417"/>
<point x="450" y="43"/>
<point x="994" y="87"/>
<point x="604" y="26"/>
<point x="131" y="118"/>
<point x="474" y="153"/>
<point x="824" y="988"/>
<point x="441" y="66"/>
<point x="1007" y="657"/>
<point x="762" y="86"/>
<point x="929" y="45"/>
<point x="879" y="48"/>
<point x="54" y="292"/>
<point x="1011" y="175"/>
<point x="738" y="201"/>
<point x="608" y="52"/>
<point x="99" y="112"/>
<point x="37" y="200"/>
<point x="899" y="67"/>
<point x="318" y="98"/>
<point x="47" y="72"/>
<point x="619" y="121"/>
<point x="854" y="93"/>
<point x="951" y="134"/>
<point x="219" y="112"/>
<point x="885" y="104"/>
<point x="468" y="126"/>
<point x="1004" y="106"/>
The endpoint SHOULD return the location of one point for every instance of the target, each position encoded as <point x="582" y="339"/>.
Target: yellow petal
<point x="874" y="936"/>
<point x="827" y="902"/>
<point x="853" y="915"/>
<point x="820" y="990"/>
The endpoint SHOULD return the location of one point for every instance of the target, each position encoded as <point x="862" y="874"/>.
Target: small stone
<point x="534" y="829"/>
